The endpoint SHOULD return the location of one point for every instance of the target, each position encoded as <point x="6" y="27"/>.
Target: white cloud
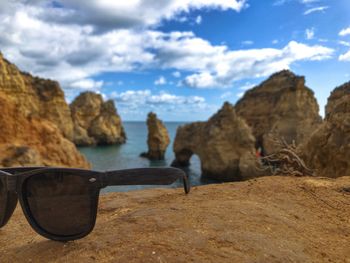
<point x="305" y="2"/>
<point x="344" y="32"/>
<point x="344" y="43"/>
<point x="345" y="57"/>
<point x="226" y="95"/>
<point x="228" y="66"/>
<point x="176" y="74"/>
<point x="316" y="9"/>
<point x="107" y="14"/>
<point x="77" y="53"/>
<point x="198" y="20"/>
<point x="87" y="84"/>
<point x="309" y="33"/>
<point x="139" y="98"/>
<point x="247" y="42"/>
<point x="309" y="1"/>
<point x="160" y="81"/>
<point x="275" y="42"/>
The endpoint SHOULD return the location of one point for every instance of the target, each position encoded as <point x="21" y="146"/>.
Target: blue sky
<point x="179" y="58"/>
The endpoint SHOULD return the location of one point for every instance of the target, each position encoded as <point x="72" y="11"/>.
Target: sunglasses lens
<point x="62" y="204"/>
<point x="2" y="200"/>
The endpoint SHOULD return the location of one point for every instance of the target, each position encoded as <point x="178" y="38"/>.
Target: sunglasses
<point x="61" y="203"/>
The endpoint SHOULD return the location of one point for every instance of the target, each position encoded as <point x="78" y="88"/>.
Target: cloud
<point x="345" y="57"/>
<point x="142" y="97"/>
<point x="87" y="84"/>
<point x="226" y="66"/>
<point x="226" y="95"/>
<point x="316" y="9"/>
<point x="309" y="33"/>
<point x="198" y="20"/>
<point x="77" y="54"/>
<point x="108" y="14"/>
<point x="176" y="74"/>
<point x="344" y="32"/>
<point x="247" y="42"/>
<point x="160" y="81"/>
<point x="344" y="43"/>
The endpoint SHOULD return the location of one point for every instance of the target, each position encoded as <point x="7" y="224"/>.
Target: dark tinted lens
<point x="2" y="200"/>
<point x="61" y="204"/>
<point x="8" y="202"/>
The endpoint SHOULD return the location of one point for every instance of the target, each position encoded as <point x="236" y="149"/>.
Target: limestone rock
<point x="328" y="149"/>
<point x="96" y="121"/>
<point x="158" y="138"/>
<point x="280" y="107"/>
<point x="26" y="140"/>
<point x="224" y="144"/>
<point x="36" y="97"/>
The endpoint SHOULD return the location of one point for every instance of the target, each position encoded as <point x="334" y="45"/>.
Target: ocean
<point x="127" y="155"/>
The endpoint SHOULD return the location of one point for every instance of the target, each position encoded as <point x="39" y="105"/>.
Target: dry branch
<point x="286" y="160"/>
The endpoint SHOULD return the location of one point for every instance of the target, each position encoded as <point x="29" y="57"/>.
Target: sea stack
<point x="96" y="122"/>
<point x="280" y="107"/>
<point x="158" y="138"/>
<point x="328" y="149"/>
<point x="225" y="145"/>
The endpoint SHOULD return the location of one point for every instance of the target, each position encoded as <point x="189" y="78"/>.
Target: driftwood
<point x="286" y="160"/>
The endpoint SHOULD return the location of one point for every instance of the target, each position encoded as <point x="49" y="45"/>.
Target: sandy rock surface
<point x="270" y="219"/>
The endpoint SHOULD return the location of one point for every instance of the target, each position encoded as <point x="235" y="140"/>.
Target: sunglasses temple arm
<point x="147" y="176"/>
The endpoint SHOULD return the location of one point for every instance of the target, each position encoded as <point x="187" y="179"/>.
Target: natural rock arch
<point x="224" y="144"/>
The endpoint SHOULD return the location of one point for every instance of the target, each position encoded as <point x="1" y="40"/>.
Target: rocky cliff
<point x="96" y="121"/>
<point x="35" y="121"/>
<point x="328" y="149"/>
<point x="280" y="107"/>
<point x="158" y="138"/>
<point x="224" y="144"/>
<point x="36" y="97"/>
<point x="28" y="141"/>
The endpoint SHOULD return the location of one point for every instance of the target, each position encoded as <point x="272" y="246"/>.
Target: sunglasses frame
<point x="14" y="179"/>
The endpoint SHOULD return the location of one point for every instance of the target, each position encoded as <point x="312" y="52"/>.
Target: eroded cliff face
<point x="36" y="97"/>
<point x="280" y="107"/>
<point x="96" y="121"/>
<point x="158" y="138"/>
<point x="29" y="140"/>
<point x="224" y="144"/>
<point x="328" y="149"/>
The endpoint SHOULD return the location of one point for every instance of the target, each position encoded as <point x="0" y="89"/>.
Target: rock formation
<point x="282" y="107"/>
<point x="158" y="138"/>
<point x="328" y="149"/>
<point x="35" y="97"/>
<point x="28" y="141"/>
<point x="96" y="121"/>
<point x="224" y="144"/>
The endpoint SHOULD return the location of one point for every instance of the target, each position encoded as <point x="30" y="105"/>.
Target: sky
<point x="179" y="58"/>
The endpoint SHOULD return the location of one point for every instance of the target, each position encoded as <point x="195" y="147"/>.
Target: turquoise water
<point x="127" y="156"/>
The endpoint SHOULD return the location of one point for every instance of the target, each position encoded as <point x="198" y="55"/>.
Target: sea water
<point x="127" y="155"/>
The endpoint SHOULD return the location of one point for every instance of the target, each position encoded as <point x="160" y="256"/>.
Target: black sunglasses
<point x="61" y="203"/>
